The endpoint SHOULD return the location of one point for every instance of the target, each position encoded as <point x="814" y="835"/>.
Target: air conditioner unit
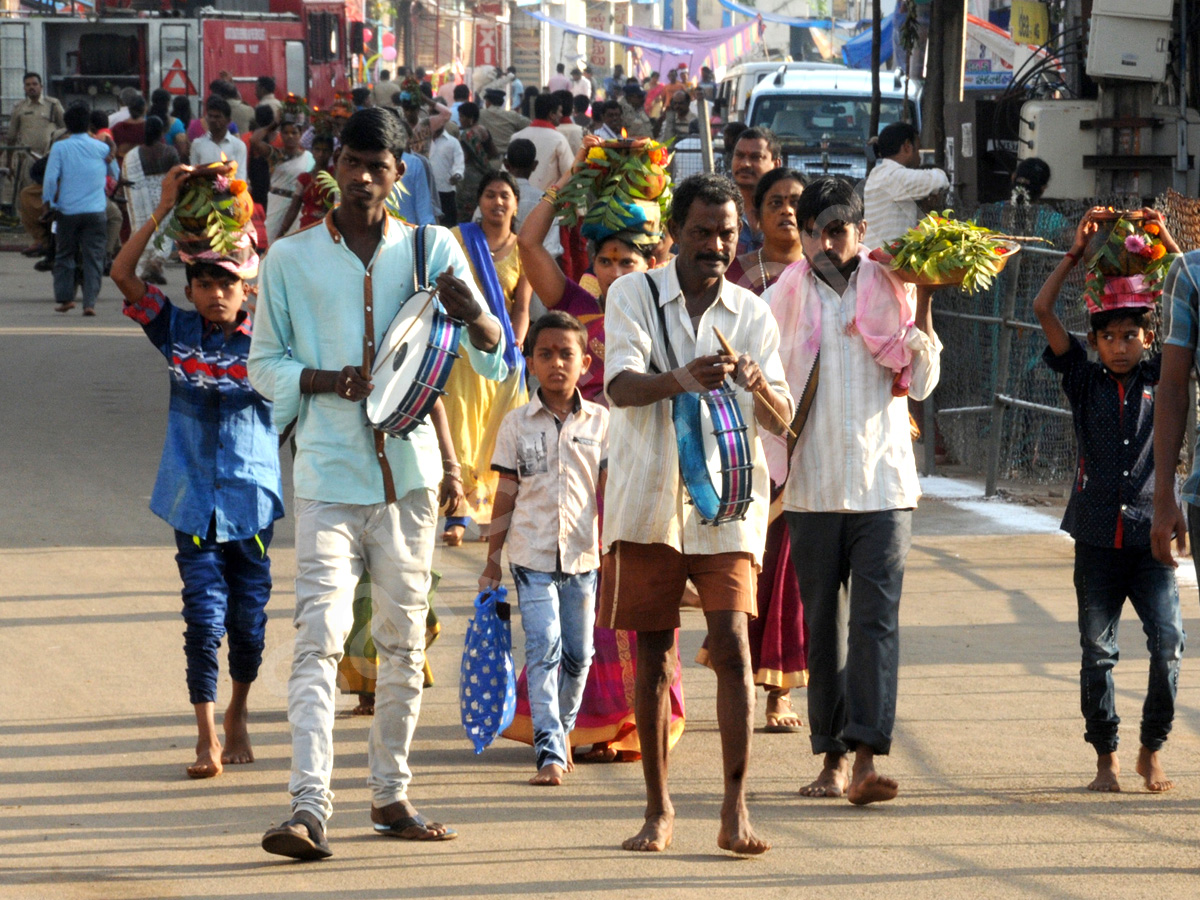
<point x="1128" y="48"/>
<point x="1136" y="9"/>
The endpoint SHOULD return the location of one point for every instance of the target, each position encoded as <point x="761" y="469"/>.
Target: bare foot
<point x="549" y="775"/>
<point x="1152" y="771"/>
<point x="867" y="785"/>
<point x="832" y="781"/>
<point x="453" y="536"/>
<point x="872" y="788"/>
<point x="600" y="753"/>
<point x="655" y="835"/>
<point x="737" y="836"/>
<point x="366" y="705"/>
<point x="237" y="738"/>
<point x="208" y="761"/>
<point x="1107" y="772"/>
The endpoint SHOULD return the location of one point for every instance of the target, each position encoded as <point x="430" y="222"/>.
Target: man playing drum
<point x="663" y="342"/>
<point x="362" y="501"/>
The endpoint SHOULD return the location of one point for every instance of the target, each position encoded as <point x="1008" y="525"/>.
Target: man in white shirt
<point x="581" y="86"/>
<point x="553" y="151"/>
<point x="264" y="90"/>
<point x="896" y="185"/>
<point x="448" y="165"/>
<point x="857" y="337"/>
<point x="126" y="95"/>
<point x="219" y="144"/>
<point x="520" y="161"/>
<point x="385" y="89"/>
<point x="661" y="342"/>
<point x="559" y="80"/>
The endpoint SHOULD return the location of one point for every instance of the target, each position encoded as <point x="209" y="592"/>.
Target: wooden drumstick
<point x="761" y="392"/>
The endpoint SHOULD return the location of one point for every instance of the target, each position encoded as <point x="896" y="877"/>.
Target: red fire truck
<point x="90" y="52"/>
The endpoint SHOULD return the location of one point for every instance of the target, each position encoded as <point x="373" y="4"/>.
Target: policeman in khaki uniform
<point x="35" y="121"/>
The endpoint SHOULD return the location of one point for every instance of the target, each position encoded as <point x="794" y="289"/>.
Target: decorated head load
<point x="1126" y="263"/>
<point x="625" y="190"/>
<point x="211" y="221"/>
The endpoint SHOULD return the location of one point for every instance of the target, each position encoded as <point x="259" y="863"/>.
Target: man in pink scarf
<point x="864" y="340"/>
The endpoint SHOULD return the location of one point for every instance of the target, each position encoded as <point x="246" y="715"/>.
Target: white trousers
<point x="334" y="543"/>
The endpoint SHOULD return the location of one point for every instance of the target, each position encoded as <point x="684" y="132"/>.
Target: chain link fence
<point x="1000" y="409"/>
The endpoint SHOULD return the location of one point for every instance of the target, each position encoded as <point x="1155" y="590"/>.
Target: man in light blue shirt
<point x="74" y="189"/>
<point x="363" y="500"/>
<point x="416" y="201"/>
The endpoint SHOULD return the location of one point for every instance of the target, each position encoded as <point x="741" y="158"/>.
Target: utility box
<point x="1050" y="130"/>
<point x="1136" y="9"/>
<point x="1133" y="49"/>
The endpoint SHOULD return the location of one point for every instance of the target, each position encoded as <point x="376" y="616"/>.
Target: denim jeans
<point x="335" y="542"/>
<point x="1104" y="577"/>
<point x="558" y="612"/>
<point x="854" y="633"/>
<point x="226" y="587"/>
<point x="87" y="234"/>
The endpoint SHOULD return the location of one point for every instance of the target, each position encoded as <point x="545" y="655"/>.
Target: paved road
<point x="95" y="728"/>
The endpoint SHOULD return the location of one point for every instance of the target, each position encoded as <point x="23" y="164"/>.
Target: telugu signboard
<point x="1030" y="22"/>
<point x="599" y="16"/>
<point x="979" y="76"/>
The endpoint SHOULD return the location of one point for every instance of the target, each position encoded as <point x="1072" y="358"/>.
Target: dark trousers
<point x="86" y="234"/>
<point x="851" y="570"/>
<point x="449" y="201"/>
<point x="1104" y="577"/>
<point x="225" y="591"/>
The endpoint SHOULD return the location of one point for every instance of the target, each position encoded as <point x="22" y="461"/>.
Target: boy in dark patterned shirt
<point x="1110" y="511"/>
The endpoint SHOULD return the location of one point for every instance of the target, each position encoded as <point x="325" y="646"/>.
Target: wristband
<point x="154" y="219"/>
<point x="1073" y="257"/>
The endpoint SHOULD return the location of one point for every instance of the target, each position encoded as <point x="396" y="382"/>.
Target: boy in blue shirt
<point x="218" y="483"/>
<point x="1111" y="508"/>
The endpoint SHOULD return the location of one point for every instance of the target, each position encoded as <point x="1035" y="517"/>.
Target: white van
<point x="823" y="116"/>
<point x="733" y="92"/>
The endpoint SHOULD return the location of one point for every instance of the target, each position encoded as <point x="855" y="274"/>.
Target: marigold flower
<point x="1158" y="251"/>
<point x="1151" y="228"/>
<point x="238" y="186"/>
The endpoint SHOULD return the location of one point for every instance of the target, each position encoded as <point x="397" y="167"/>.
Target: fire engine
<point x="90" y="49"/>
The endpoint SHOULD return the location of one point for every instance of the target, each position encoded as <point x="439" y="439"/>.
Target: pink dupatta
<point x="883" y="317"/>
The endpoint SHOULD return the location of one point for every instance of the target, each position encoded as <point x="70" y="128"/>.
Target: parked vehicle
<point x="302" y="43"/>
<point x="823" y="116"/>
<point x="733" y="92"/>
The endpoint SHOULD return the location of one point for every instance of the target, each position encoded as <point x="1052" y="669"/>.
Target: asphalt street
<point x="95" y="728"/>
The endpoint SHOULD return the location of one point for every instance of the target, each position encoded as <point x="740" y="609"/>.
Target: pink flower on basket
<point x="222" y="187"/>
<point x="1135" y="243"/>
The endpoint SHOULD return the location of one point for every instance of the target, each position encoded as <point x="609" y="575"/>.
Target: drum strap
<point x="672" y="362"/>
<point x="385" y="467"/>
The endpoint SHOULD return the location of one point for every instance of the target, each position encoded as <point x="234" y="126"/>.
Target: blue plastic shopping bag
<point x="487" y="688"/>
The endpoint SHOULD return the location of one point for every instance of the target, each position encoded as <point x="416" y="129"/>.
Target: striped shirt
<point x="889" y="197"/>
<point x="855" y="453"/>
<point x="1181" y="295"/>
<point x="644" y="500"/>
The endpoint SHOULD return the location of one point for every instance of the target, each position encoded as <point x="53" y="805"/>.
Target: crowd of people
<point x="572" y="358"/>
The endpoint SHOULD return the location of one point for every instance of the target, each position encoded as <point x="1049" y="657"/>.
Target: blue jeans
<point x="225" y="590"/>
<point x="558" y="612"/>
<point x="1104" y="577"/>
